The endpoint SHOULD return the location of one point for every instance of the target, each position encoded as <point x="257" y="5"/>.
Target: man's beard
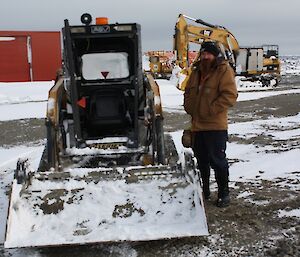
<point x="207" y="65"/>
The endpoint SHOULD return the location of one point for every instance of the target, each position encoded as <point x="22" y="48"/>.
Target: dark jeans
<point x="210" y="150"/>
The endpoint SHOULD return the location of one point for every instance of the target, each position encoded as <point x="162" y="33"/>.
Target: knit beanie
<point x="210" y="47"/>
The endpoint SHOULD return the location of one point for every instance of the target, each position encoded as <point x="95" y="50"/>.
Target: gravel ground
<point x="250" y="226"/>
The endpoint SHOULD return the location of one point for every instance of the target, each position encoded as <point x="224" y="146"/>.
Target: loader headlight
<point x="86" y="18"/>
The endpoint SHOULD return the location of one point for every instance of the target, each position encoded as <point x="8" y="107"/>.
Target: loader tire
<point x="44" y="165"/>
<point x="52" y="151"/>
<point x="160" y="142"/>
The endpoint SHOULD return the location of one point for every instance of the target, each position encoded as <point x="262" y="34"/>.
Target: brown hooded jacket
<point x="208" y="103"/>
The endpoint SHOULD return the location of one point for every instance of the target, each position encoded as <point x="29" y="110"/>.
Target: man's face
<point x="207" y="57"/>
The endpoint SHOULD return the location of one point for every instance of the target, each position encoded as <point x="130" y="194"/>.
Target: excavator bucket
<point x="82" y="205"/>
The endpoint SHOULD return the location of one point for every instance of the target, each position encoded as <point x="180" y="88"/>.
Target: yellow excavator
<point x="161" y="63"/>
<point x="186" y="33"/>
<point x="254" y="63"/>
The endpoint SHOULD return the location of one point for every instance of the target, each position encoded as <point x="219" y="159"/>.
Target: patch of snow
<point x="279" y="128"/>
<point x="121" y="250"/>
<point x="291" y="213"/>
<point x="8" y="162"/>
<point x="7" y="38"/>
<point x="245" y="194"/>
<point x="50" y="104"/>
<point x="243" y="85"/>
<point x="23" y="111"/>
<point x="108" y="140"/>
<point x="108" y="151"/>
<point x="259" y="202"/>
<point x="22" y="100"/>
<point x="9" y="156"/>
<point x="246" y="96"/>
<point x="146" y="63"/>
<point x="171" y="97"/>
<point x="22" y="92"/>
<point x="253" y="159"/>
<point x="290" y="65"/>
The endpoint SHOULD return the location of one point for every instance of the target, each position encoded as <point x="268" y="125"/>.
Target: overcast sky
<point x="253" y="22"/>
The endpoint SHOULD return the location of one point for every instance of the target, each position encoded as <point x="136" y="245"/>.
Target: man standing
<point x="210" y="91"/>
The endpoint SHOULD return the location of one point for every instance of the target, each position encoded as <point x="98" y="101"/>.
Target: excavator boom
<point x="186" y="33"/>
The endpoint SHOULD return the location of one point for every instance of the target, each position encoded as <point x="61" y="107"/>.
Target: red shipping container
<point x="29" y="55"/>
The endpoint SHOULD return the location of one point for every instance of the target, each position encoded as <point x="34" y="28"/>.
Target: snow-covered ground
<point x="23" y="100"/>
<point x="28" y="100"/>
<point x="268" y="165"/>
<point x="290" y="65"/>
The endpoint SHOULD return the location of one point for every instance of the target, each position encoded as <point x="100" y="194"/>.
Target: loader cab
<point x="104" y="81"/>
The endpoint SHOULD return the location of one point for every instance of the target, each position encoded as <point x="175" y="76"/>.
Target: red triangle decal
<point x="104" y="73"/>
<point x="82" y="102"/>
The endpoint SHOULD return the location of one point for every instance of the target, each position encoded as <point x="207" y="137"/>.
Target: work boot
<point x="223" y="188"/>
<point x="206" y="191"/>
<point x="205" y="174"/>
<point x="206" y="195"/>
<point x="223" y="201"/>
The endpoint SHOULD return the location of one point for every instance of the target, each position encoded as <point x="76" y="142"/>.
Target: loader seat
<point x="108" y="113"/>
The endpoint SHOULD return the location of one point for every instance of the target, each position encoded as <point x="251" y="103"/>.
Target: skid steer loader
<point x="108" y="172"/>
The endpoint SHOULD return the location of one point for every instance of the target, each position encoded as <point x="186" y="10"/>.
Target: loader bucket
<point x="84" y="205"/>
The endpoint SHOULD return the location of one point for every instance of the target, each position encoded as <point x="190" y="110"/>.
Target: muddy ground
<point x="248" y="227"/>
